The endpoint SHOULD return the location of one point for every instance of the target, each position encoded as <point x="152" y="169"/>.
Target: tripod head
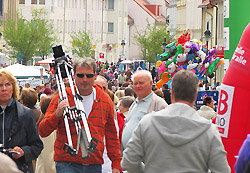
<point x="60" y="60"/>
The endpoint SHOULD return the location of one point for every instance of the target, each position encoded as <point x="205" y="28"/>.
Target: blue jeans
<point x="69" y="167"/>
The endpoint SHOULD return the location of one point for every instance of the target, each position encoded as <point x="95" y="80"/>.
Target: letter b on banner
<point x="224" y="109"/>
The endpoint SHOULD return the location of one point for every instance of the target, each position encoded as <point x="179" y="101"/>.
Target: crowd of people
<point x="139" y="128"/>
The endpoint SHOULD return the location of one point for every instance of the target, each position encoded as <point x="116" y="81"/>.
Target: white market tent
<point x="126" y="62"/>
<point x="46" y="61"/>
<point x="24" y="72"/>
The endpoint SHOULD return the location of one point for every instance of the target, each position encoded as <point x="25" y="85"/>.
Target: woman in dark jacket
<point x="17" y="128"/>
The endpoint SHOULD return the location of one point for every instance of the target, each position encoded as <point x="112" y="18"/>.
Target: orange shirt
<point x="101" y="123"/>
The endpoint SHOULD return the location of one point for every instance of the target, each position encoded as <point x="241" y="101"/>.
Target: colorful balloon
<point x="187" y="46"/>
<point x="158" y="63"/>
<point x="212" y="66"/>
<point x="164" y="79"/>
<point x="193" y="58"/>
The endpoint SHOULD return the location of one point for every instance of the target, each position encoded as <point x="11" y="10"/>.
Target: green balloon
<point x="212" y="66"/>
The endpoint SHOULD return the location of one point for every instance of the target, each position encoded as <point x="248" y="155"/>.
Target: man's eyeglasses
<point x="80" y="75"/>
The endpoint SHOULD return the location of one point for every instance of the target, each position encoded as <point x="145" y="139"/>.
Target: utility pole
<point x="64" y="16"/>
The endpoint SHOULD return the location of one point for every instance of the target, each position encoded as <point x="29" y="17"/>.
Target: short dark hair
<point x="45" y="101"/>
<point x="127" y="101"/>
<point x="207" y="100"/>
<point x="39" y="86"/>
<point x="159" y="93"/>
<point x="129" y="91"/>
<point x="184" y="86"/>
<point x="29" y="97"/>
<point x="165" y="86"/>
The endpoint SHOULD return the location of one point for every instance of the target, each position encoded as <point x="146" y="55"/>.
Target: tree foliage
<point x="46" y="34"/>
<point x="28" y="38"/>
<point x="150" y="40"/>
<point x="82" y="44"/>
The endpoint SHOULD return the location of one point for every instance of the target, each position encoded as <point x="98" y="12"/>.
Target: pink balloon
<point x="162" y="67"/>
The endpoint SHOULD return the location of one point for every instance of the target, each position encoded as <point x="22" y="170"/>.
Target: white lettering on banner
<point x="224" y="109"/>
<point x="239" y="56"/>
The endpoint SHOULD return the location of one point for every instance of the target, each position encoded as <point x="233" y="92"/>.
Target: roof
<point x="216" y="1"/>
<point x="206" y="4"/>
<point x="143" y="4"/>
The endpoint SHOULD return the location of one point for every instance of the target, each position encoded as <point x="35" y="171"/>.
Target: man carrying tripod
<point x="99" y="113"/>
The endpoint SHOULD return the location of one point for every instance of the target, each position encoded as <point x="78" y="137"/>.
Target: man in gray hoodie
<point x="176" y="139"/>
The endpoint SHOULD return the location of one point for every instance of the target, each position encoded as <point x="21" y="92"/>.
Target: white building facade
<point x="106" y="20"/>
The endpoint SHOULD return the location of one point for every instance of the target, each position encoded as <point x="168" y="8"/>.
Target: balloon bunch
<point x="190" y="56"/>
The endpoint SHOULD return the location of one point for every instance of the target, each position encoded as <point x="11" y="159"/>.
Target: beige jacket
<point x="156" y="104"/>
<point x="207" y="112"/>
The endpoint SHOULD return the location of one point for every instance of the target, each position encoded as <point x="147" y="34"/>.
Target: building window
<point x="1" y="7"/>
<point x="110" y="27"/>
<point x="111" y="4"/>
<point x="181" y="3"/>
<point x="33" y="1"/>
<point x="42" y="2"/>
<point x="21" y="1"/>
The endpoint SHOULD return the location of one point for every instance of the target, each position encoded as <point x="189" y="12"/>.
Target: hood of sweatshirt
<point x="179" y="124"/>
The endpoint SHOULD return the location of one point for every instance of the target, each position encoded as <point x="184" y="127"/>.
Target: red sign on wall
<point x="220" y="51"/>
<point x="101" y="55"/>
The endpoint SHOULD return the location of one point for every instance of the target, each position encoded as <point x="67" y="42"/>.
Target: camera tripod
<point x="63" y="69"/>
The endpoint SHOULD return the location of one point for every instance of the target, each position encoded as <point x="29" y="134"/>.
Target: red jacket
<point x="121" y="122"/>
<point x="101" y="123"/>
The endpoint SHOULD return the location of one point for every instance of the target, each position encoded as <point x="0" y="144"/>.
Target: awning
<point x="206" y="4"/>
<point x="46" y="61"/>
<point x="23" y="72"/>
<point x="126" y="62"/>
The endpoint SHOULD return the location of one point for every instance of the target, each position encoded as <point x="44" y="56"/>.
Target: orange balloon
<point x="164" y="79"/>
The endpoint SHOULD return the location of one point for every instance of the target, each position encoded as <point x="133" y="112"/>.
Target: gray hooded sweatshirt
<point x="175" y="140"/>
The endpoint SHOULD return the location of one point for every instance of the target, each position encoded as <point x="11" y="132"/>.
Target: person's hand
<point x="115" y="170"/>
<point x="17" y="149"/>
<point x="60" y="108"/>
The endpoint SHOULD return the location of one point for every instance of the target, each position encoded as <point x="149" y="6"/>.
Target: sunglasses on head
<point x="80" y="75"/>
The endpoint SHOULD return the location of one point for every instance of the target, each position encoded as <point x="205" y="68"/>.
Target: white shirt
<point x="88" y="102"/>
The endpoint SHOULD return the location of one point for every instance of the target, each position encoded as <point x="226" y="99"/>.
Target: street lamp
<point x="207" y="36"/>
<point x="123" y="44"/>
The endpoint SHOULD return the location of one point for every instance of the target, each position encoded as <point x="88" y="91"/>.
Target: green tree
<point x="46" y="34"/>
<point x="150" y="40"/>
<point x="82" y="44"/>
<point x="27" y="38"/>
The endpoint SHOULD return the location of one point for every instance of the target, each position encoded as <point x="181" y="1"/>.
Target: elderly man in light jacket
<point x="146" y="102"/>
